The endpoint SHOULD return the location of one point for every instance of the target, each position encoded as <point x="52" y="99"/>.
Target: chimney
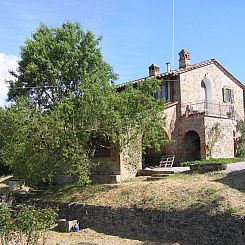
<point x="154" y="70"/>
<point x="168" y="67"/>
<point x="184" y="58"/>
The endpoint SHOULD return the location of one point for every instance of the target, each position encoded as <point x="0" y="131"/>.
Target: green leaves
<point x="68" y="101"/>
<point x="25" y="225"/>
<point x="39" y="146"/>
<point x="55" y="62"/>
<point x="241" y="139"/>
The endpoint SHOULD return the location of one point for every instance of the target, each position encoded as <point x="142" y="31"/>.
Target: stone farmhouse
<point x="204" y="102"/>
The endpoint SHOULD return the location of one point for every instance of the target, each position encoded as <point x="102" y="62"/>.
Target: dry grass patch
<point x="205" y="192"/>
<point x="87" y="237"/>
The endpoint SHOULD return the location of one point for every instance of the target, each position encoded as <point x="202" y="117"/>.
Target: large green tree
<point x="3" y="167"/>
<point x="55" y="62"/>
<point x="62" y="71"/>
<point x="39" y="145"/>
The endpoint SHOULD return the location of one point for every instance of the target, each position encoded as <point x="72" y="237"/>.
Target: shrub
<point x="5" y="224"/>
<point x="213" y="160"/>
<point x="25" y="224"/>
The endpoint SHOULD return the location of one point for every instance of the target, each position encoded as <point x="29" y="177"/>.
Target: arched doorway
<point x="192" y="146"/>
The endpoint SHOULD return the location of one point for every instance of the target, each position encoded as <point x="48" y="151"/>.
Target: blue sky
<point x="136" y="33"/>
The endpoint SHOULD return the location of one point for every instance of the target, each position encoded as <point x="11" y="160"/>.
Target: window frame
<point x="228" y="95"/>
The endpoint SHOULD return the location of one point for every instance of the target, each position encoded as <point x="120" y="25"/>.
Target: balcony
<point x="210" y="108"/>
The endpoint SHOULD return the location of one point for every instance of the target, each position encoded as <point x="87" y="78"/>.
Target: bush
<point x="212" y="160"/>
<point x="209" y="167"/>
<point x="5" y="225"/>
<point x="25" y="224"/>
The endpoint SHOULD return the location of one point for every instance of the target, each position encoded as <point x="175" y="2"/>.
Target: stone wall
<point x="184" y="227"/>
<point x="224" y="146"/>
<point x="107" y="170"/>
<point x="184" y="125"/>
<point x="131" y="159"/>
<point x="170" y="113"/>
<point x="108" y="165"/>
<point x="191" y="90"/>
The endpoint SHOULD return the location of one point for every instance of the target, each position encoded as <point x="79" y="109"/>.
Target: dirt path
<point x="234" y="167"/>
<point x="91" y="237"/>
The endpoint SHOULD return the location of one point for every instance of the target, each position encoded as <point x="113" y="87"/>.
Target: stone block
<point x="66" y="225"/>
<point x="15" y="184"/>
<point x="106" y="178"/>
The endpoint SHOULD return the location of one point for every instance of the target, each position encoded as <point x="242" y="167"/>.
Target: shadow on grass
<point x="183" y="227"/>
<point x="235" y="180"/>
<point x="194" y="225"/>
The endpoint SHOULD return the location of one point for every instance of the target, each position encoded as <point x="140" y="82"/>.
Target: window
<point x="101" y="148"/>
<point x="228" y="95"/>
<point x="165" y="92"/>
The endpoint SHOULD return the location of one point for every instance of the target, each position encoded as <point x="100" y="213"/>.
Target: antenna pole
<point x="173" y="36"/>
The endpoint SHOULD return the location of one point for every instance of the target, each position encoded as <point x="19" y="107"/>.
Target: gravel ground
<point x="231" y="167"/>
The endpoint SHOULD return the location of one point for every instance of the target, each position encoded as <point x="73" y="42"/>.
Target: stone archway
<point x="192" y="146"/>
<point x="206" y="85"/>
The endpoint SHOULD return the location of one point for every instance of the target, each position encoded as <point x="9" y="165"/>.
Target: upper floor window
<point x="228" y="95"/>
<point x="166" y="91"/>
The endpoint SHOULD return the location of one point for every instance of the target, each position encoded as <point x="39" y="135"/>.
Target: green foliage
<point x="31" y="222"/>
<point x="5" y="224"/>
<point x="211" y="160"/>
<point x="241" y="139"/>
<point x="213" y="136"/>
<point x="54" y="130"/>
<point x="25" y="225"/>
<point x="40" y="145"/>
<point x="208" y="200"/>
<point x="54" y="63"/>
<point x="4" y="170"/>
<point x="231" y="210"/>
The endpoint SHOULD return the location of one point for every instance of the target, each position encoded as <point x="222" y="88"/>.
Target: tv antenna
<point x="172" y="60"/>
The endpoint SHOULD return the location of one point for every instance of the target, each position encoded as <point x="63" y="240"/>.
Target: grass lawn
<point x="212" y="192"/>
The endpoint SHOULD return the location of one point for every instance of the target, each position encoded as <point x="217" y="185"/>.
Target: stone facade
<point x="205" y="95"/>
<point x="199" y="98"/>
<point x="216" y="80"/>
<point x="121" y="165"/>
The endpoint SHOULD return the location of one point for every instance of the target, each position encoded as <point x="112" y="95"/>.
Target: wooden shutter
<point x="227" y="94"/>
<point x="232" y="95"/>
<point x="224" y="94"/>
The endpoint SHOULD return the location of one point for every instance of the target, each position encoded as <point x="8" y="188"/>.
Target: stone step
<point x="164" y="172"/>
<point x="160" y="175"/>
<point x="149" y="172"/>
<point x="155" y="178"/>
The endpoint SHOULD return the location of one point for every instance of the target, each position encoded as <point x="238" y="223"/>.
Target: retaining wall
<point x="184" y="227"/>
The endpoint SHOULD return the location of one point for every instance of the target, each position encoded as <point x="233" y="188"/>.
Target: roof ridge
<point x="186" y="69"/>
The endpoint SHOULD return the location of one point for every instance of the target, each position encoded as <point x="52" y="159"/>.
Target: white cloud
<point x="7" y="62"/>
